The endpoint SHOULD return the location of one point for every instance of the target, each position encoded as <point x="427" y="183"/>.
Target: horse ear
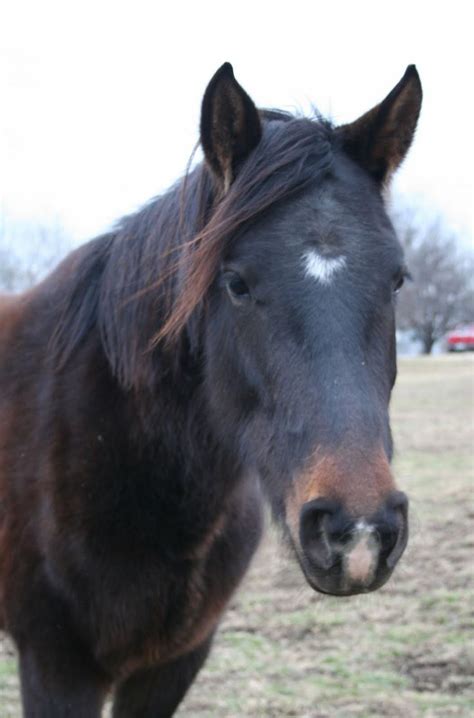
<point x="230" y="125"/>
<point x="379" y="140"/>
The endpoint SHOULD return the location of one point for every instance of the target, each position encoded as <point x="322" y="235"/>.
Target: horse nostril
<point x="398" y="500"/>
<point x="388" y="537"/>
<point x="394" y="534"/>
<point x="314" y="537"/>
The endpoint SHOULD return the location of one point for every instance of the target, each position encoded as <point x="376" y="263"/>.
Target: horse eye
<point x="399" y="280"/>
<point x="236" y="287"/>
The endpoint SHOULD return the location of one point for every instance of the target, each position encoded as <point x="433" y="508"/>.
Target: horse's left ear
<point x="379" y="140"/>
<point x="230" y="125"/>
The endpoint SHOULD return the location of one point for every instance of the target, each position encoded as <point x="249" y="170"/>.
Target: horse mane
<point x="144" y="285"/>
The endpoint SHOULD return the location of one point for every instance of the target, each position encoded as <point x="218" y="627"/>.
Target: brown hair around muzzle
<point x="359" y="480"/>
<point x="348" y="524"/>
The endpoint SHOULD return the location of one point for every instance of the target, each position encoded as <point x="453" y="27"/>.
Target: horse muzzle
<point x="344" y="555"/>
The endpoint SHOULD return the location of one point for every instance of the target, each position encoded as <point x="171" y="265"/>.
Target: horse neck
<point x="171" y="429"/>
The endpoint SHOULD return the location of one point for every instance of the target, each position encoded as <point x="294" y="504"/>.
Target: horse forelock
<point x="291" y="155"/>
<point x="158" y="264"/>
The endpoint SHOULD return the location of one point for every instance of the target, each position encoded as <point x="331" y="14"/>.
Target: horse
<point x="231" y="343"/>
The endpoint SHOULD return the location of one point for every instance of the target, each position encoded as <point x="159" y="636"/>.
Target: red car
<point x="461" y="339"/>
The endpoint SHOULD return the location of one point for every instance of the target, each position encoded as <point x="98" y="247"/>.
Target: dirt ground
<point x="406" y="650"/>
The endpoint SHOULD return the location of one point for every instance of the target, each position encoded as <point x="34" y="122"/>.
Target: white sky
<point x="99" y="101"/>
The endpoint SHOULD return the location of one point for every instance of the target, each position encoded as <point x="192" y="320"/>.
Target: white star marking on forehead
<point x="322" y="268"/>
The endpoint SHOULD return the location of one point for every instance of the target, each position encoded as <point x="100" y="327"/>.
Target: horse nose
<point x="391" y="524"/>
<point x="343" y="554"/>
<point x="315" y="534"/>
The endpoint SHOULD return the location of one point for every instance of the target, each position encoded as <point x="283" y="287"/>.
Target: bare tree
<point x="8" y="271"/>
<point x="441" y="294"/>
<point x="28" y="251"/>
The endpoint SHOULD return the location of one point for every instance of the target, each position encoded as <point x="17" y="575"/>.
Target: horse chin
<point x="335" y="584"/>
<point x="336" y="591"/>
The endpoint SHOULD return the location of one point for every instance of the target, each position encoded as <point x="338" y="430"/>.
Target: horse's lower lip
<point x="341" y="592"/>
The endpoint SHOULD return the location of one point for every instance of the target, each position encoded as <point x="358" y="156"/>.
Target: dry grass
<point x="282" y="650"/>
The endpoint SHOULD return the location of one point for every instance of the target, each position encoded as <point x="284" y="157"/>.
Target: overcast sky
<point x="99" y="101"/>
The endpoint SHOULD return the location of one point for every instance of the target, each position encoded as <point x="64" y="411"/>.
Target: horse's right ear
<point x="230" y="125"/>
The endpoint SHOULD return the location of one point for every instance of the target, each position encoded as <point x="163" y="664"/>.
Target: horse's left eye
<point x="399" y="279"/>
<point x="398" y="284"/>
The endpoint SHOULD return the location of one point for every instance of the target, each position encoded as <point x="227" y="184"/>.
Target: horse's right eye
<point x="237" y="289"/>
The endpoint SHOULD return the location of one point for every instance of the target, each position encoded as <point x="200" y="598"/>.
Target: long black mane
<point x="145" y="282"/>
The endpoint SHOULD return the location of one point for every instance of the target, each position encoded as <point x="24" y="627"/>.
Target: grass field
<point x="406" y="650"/>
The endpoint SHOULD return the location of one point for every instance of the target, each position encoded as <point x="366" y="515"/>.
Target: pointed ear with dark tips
<point x="230" y="125"/>
<point x="379" y="140"/>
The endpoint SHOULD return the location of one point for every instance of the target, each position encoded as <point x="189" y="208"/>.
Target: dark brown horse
<point x="235" y="336"/>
